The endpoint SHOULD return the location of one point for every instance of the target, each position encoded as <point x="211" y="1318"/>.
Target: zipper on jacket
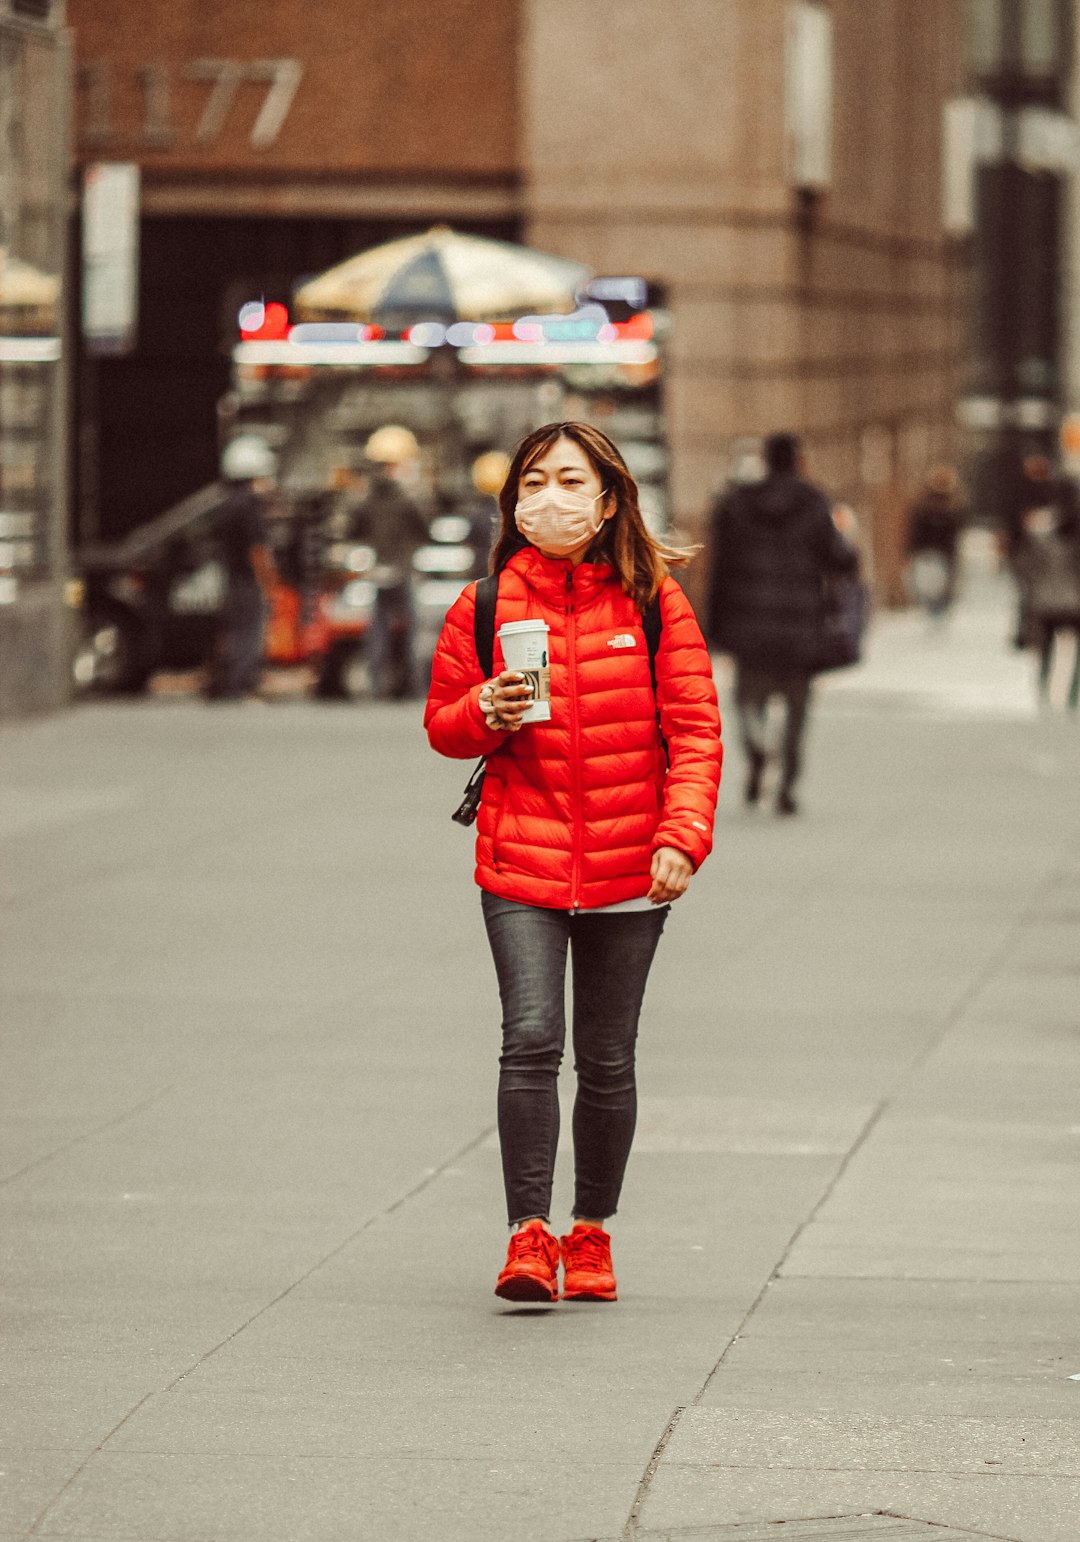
<point x="577" y="812"/>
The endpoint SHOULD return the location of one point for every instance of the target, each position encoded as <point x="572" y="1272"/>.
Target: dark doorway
<point x="148" y="422"/>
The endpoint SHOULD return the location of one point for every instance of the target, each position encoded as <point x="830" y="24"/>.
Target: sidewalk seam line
<point x="630" y="1530"/>
<point x="391" y="1209"/>
<point x="963" y="1002"/>
<point x="83" y="1465"/>
<point x="403" y="1199"/>
<point x="110" y="869"/>
<point x="830" y="1187"/>
<point x="77" y="1140"/>
<point x="952" y="1017"/>
<point x="923" y="1472"/>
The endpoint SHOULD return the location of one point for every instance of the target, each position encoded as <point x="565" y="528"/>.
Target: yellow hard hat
<point x="489" y="472"/>
<point x="392" y="444"/>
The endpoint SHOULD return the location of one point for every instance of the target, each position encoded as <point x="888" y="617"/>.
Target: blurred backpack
<point x="843" y="623"/>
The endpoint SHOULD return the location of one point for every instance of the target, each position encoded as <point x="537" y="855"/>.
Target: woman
<point x="588" y="831"/>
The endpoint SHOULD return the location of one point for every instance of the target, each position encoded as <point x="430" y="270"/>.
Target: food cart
<point x="467" y="343"/>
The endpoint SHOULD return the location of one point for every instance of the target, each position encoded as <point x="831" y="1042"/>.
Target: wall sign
<point x="110" y="256"/>
<point x="222" y="79"/>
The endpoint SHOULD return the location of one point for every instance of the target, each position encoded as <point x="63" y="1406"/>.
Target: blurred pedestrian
<point x="591" y="825"/>
<point x="488" y="475"/>
<point x="773" y="547"/>
<point x="392" y="523"/>
<point x="935" y="522"/>
<point x="249" y="469"/>
<point x="1034" y="490"/>
<point x="1046" y="562"/>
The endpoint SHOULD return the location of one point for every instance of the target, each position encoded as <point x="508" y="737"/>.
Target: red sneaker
<point x="532" y="1263"/>
<point x="586" y="1255"/>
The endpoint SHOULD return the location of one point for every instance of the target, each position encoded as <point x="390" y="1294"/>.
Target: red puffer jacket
<point x="573" y="809"/>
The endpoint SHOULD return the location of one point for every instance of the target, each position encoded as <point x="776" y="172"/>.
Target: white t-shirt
<point x="642" y="903"/>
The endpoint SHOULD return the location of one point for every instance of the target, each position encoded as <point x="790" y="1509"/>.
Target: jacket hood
<point x="780" y="496"/>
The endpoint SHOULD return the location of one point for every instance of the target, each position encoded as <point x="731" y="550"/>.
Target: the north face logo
<point x="623" y="640"/>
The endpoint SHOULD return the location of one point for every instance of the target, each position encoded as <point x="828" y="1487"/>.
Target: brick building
<point x="804" y="263"/>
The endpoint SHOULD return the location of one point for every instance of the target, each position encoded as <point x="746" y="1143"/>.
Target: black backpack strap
<point x="652" y="622"/>
<point x="487" y="593"/>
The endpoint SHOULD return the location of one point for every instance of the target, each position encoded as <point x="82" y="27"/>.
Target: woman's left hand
<point x="671" y="873"/>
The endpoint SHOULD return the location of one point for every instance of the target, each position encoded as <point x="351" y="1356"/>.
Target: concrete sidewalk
<point x="251" y="1209"/>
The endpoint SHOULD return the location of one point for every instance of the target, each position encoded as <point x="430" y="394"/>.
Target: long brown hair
<point x="639" y="559"/>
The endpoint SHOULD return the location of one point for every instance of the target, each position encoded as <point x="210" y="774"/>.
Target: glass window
<point x="1040" y="36"/>
<point x="985" y="34"/>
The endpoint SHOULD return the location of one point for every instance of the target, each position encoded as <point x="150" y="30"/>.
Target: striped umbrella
<point x="442" y="276"/>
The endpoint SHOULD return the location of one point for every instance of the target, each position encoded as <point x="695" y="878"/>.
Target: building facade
<point x="35" y="620"/>
<point x="826" y="299"/>
<point x="773" y="167"/>
<point x="1020" y="58"/>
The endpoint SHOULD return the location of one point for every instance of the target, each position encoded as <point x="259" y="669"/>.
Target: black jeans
<point x="237" y="665"/>
<point x="610" y="958"/>
<point x="1049" y="630"/>
<point x="391" y="641"/>
<point x="753" y="688"/>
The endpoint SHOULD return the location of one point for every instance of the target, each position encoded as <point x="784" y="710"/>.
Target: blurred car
<point x="153" y="601"/>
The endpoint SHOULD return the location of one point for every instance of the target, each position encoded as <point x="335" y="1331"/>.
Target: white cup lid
<point x="509" y="628"/>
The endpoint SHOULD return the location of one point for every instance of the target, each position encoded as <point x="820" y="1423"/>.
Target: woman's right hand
<point x="511" y="695"/>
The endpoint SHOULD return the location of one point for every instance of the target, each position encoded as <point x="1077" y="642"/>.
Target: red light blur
<point x="274" y="328"/>
<point x="638" y="328"/>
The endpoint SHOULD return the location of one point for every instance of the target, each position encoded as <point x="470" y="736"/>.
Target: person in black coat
<point x="773" y="545"/>
<point x="248" y="469"/>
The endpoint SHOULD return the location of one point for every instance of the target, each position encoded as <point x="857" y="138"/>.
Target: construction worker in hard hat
<point x="489" y="472"/>
<point x="248" y="471"/>
<point x="392" y="445"/>
<point x="389" y="520"/>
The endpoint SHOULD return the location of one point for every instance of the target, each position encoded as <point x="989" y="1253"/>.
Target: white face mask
<point x="557" y="519"/>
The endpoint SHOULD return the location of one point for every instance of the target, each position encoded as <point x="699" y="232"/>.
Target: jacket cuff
<point x="696" y="849"/>
<point x="487" y="737"/>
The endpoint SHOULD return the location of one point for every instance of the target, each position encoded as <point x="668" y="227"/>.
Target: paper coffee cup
<point x="525" y="648"/>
